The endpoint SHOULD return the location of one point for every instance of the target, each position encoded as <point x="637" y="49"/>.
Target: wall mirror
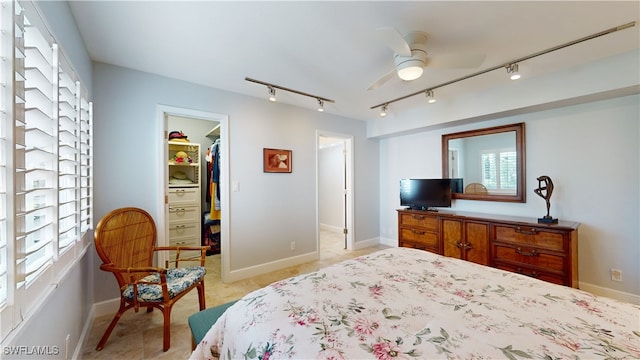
<point x="490" y="162"/>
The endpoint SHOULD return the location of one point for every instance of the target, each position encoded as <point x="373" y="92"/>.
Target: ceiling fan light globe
<point x="409" y="72"/>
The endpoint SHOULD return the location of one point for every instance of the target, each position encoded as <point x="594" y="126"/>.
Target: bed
<point x="413" y="304"/>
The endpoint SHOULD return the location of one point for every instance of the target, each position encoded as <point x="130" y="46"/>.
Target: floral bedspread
<point x="412" y="304"/>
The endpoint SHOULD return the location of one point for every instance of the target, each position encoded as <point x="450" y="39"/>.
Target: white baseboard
<point x="106" y="307"/>
<point x="389" y="242"/>
<point x="366" y="243"/>
<point x="84" y="335"/>
<point x="235" y="275"/>
<point x="332" y="228"/>
<point x="614" y="294"/>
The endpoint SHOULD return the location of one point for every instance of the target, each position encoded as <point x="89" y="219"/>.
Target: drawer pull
<point x="533" y="231"/>
<point x="418" y="217"/>
<point x="417" y="232"/>
<point x="531" y="253"/>
<point x="533" y="274"/>
<point x="459" y="244"/>
<point x="466" y="246"/>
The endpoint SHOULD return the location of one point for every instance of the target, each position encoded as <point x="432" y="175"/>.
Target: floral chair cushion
<point x="177" y="281"/>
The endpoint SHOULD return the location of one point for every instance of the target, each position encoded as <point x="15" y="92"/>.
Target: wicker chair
<point x="125" y="240"/>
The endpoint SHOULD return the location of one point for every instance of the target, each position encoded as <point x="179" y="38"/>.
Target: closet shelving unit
<point x="184" y="195"/>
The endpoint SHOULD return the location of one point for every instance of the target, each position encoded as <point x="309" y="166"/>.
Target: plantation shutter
<point x="86" y="162"/>
<point x="6" y="101"/>
<point x="68" y="158"/>
<point x="508" y="162"/>
<point x="35" y="151"/>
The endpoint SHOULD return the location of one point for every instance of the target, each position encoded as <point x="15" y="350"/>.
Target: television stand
<point x="548" y="252"/>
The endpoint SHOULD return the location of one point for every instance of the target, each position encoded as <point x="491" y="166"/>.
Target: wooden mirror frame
<point x="520" y="159"/>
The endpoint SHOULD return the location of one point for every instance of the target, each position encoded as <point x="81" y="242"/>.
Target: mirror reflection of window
<point x="490" y="161"/>
<point x="499" y="170"/>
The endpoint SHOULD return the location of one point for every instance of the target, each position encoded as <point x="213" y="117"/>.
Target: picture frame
<point x="276" y="160"/>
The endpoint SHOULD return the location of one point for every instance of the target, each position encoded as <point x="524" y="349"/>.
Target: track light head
<point x="383" y="112"/>
<point x="320" y="105"/>
<point x="272" y="93"/>
<point x="513" y="70"/>
<point x="430" y="97"/>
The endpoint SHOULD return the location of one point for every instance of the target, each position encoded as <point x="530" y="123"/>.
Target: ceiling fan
<point x="411" y="56"/>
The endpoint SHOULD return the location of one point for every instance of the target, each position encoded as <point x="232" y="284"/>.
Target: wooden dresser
<point x="548" y="252"/>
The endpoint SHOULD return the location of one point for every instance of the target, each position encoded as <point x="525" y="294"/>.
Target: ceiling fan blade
<point x="386" y="77"/>
<point x="456" y="61"/>
<point x="393" y="39"/>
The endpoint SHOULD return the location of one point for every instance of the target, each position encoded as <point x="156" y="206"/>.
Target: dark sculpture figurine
<point x="548" y="190"/>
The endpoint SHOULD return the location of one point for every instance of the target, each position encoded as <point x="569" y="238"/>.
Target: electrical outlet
<point x="293" y="245"/>
<point x="616" y="275"/>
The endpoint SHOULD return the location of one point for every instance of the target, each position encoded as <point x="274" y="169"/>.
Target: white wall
<point x="592" y="154"/>
<point x="271" y="209"/>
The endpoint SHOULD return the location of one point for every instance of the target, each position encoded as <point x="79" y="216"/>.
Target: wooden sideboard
<point x="548" y="252"/>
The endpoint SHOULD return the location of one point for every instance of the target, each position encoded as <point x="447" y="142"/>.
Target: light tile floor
<point x="139" y="335"/>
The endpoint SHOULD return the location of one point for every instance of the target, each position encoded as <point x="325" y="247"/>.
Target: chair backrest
<point x="475" y="188"/>
<point x="126" y="237"/>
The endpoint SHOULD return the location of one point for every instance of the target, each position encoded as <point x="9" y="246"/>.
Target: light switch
<point x="235" y="186"/>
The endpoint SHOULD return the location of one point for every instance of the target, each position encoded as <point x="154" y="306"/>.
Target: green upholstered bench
<point x="202" y="321"/>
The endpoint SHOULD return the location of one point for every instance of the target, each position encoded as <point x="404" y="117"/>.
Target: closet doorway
<point x="335" y="195"/>
<point x="186" y="218"/>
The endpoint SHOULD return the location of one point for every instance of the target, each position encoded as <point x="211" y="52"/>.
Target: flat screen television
<point x="425" y="194"/>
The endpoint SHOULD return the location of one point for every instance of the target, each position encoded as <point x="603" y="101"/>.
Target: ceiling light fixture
<point x="513" y="70"/>
<point x="272" y="92"/>
<point x="410" y="70"/>
<point x="511" y="63"/>
<point x="430" y="98"/>
<point x="384" y="111"/>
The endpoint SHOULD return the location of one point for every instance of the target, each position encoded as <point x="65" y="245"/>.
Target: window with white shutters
<point x="45" y="163"/>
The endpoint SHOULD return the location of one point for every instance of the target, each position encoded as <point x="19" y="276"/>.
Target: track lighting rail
<point x="269" y="85"/>
<point x="508" y="64"/>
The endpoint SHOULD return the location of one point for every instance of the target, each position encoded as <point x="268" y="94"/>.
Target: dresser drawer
<point x="530" y="236"/>
<point x="529" y="256"/>
<point x="183" y="214"/>
<point x="419" y="238"/>
<point x="419" y="245"/>
<point x="537" y="274"/>
<point x="419" y="220"/>
<point x="178" y="232"/>
<point x="184" y="196"/>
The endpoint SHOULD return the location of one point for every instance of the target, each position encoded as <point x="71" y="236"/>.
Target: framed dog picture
<point x="277" y="160"/>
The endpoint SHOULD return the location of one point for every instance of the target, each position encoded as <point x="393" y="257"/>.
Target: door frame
<point x="348" y="212"/>
<point x="162" y="111"/>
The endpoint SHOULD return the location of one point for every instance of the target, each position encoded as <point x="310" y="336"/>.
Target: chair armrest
<point x="180" y="257"/>
<point x="175" y="248"/>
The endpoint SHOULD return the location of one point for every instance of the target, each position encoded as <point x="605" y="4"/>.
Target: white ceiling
<point x="332" y="49"/>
